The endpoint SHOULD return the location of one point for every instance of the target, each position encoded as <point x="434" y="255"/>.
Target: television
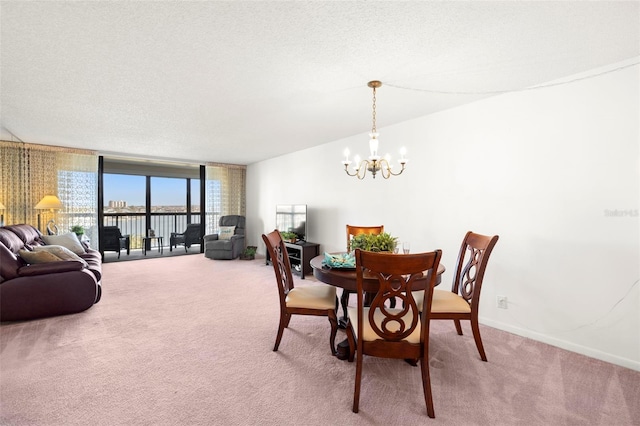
<point x="292" y="218"/>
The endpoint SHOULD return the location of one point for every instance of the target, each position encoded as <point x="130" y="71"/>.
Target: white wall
<point x="541" y="168"/>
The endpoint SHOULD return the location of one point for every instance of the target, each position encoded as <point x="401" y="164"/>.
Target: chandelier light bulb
<point x="346" y="157"/>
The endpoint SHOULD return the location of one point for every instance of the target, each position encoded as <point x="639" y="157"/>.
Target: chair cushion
<point x="312" y="297"/>
<point x="369" y="335"/>
<point x="226" y="232"/>
<point x="68" y="240"/>
<point x="446" y="301"/>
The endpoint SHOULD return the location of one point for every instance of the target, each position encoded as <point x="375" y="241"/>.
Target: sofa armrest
<point x="50" y="268"/>
<point x="211" y="237"/>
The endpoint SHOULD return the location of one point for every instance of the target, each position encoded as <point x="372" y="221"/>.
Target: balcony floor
<point x="136" y="254"/>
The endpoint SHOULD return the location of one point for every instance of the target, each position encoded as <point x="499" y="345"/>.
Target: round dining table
<point x="346" y="279"/>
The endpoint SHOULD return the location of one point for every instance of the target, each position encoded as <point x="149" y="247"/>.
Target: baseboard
<point x="583" y="350"/>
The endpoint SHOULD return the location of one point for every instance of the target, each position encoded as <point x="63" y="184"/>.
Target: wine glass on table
<point x="406" y="247"/>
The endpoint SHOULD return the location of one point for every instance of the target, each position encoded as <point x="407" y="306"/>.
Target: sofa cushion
<point x="68" y="240"/>
<point x="9" y="264"/>
<point x="226" y="232"/>
<point x="33" y="257"/>
<point x="10" y="240"/>
<point x="27" y="233"/>
<point x="61" y="252"/>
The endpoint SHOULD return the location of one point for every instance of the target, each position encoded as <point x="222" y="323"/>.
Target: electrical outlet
<point x="501" y="302"/>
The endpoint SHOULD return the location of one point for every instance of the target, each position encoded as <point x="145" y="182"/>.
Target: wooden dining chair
<point x="381" y="331"/>
<point x="463" y="301"/>
<point x="352" y="231"/>
<point x="319" y="300"/>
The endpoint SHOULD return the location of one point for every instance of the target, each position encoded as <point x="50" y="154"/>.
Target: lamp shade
<point x="49" y="202"/>
<point x="2" y="206"/>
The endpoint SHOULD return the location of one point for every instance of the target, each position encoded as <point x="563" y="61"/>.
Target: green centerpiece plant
<point x="371" y="242"/>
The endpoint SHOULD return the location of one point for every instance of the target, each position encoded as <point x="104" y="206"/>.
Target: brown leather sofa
<point x="29" y="291"/>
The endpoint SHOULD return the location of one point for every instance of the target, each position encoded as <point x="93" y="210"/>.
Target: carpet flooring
<point x="188" y="341"/>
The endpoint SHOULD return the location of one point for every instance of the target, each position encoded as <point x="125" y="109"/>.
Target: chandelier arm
<point x="399" y="173"/>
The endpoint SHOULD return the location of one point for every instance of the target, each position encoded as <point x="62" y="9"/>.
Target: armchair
<point x="113" y="240"/>
<point x="229" y="243"/>
<point x="192" y="235"/>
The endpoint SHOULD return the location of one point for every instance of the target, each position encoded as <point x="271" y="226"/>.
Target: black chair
<point x="113" y="240"/>
<point x="192" y="235"/>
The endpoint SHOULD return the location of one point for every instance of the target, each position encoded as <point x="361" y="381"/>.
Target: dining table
<point x="346" y="278"/>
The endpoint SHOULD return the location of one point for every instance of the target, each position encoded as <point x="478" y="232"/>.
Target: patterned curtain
<point x="30" y="171"/>
<point x="225" y="193"/>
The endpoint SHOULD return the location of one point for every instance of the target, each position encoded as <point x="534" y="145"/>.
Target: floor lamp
<point x="49" y="202"/>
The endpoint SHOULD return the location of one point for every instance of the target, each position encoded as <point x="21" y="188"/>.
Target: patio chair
<point x="113" y="240"/>
<point x="192" y="235"/>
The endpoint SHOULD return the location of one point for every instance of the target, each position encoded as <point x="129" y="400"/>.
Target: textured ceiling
<point x="239" y="82"/>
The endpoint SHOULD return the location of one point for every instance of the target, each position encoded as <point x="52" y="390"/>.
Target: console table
<point x="300" y="255"/>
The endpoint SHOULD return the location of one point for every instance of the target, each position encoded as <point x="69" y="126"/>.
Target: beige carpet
<point x="187" y="341"/>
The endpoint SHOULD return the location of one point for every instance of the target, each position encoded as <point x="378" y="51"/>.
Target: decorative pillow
<point x="226" y="232"/>
<point x="68" y="240"/>
<point x="61" y="252"/>
<point x="33" y="257"/>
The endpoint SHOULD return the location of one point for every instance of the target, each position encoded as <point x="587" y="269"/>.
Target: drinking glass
<point x="406" y="247"/>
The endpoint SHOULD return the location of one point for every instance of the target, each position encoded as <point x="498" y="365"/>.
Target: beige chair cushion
<point x="312" y="297"/>
<point x="443" y="301"/>
<point x="369" y="335"/>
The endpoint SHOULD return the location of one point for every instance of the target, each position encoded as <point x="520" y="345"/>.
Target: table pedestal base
<point x="342" y="350"/>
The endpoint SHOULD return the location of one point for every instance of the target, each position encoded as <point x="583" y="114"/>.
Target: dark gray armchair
<point x="113" y="240"/>
<point x="226" y="245"/>
<point x="192" y="235"/>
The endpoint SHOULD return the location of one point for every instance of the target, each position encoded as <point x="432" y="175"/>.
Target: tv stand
<point x="300" y="255"/>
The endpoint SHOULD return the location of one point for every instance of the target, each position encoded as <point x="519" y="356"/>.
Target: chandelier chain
<point x="373" y="129"/>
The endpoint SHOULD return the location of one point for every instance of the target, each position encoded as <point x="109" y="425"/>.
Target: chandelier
<point x="375" y="163"/>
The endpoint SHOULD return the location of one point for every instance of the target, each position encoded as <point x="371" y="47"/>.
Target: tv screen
<point x="292" y="218"/>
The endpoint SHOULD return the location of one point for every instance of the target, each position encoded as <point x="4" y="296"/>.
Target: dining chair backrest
<point x="281" y="264"/>
<point x="471" y="265"/>
<point x="353" y="230"/>
<point x="396" y="275"/>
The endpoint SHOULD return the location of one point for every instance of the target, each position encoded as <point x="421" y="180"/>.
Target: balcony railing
<point x="163" y="224"/>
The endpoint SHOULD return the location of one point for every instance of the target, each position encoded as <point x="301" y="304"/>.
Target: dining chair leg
<point x="475" y="328"/>
<point x="284" y="322"/>
<point x="426" y="385"/>
<point x="356" y="393"/>
<point x="458" y="326"/>
<point x="333" y="320"/>
<point x="352" y="341"/>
